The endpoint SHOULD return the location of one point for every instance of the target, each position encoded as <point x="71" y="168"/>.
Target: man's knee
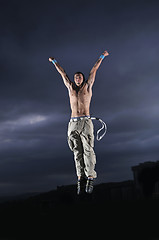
<point x="75" y="143"/>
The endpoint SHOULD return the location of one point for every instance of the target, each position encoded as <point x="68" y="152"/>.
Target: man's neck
<point x="77" y="88"/>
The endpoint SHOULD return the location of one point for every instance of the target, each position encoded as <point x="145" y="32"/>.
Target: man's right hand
<point x="51" y="58"/>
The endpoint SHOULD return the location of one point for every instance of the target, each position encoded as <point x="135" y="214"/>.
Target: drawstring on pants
<point x="104" y="126"/>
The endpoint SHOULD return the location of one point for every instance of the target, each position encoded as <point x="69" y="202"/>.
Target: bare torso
<point x="80" y="100"/>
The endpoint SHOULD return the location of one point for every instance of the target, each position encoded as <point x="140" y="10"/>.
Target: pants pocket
<point x="70" y="143"/>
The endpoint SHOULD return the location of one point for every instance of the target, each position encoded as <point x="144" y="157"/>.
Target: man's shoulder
<point x="88" y="86"/>
<point x="72" y="86"/>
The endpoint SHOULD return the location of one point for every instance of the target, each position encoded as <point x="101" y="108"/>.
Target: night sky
<point x="34" y="103"/>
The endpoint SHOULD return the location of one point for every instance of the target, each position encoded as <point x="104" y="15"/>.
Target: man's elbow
<point x="93" y="71"/>
<point x="63" y="74"/>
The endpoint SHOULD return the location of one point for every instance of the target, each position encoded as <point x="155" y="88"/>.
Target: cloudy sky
<point x="34" y="103"/>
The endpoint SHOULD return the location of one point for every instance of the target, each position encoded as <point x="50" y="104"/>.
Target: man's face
<point x="78" y="78"/>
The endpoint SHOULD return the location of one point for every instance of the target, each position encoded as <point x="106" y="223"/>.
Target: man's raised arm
<point x="62" y="72"/>
<point x="93" y="71"/>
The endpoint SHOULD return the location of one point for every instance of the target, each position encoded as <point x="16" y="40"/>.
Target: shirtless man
<point x="80" y="127"/>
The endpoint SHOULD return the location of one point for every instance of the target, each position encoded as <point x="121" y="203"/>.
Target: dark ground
<point x="61" y="213"/>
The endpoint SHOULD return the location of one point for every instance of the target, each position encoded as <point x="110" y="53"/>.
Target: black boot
<point x="78" y="187"/>
<point x="81" y="185"/>
<point x="89" y="185"/>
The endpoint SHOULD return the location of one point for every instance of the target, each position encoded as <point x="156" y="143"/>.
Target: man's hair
<point x="82" y="75"/>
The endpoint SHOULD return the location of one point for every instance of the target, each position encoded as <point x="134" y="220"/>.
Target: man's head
<point x="79" y="78"/>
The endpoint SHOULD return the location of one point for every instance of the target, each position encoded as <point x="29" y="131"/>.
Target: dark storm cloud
<point x="34" y="103"/>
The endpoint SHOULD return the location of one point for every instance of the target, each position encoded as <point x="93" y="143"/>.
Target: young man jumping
<point x="80" y="127"/>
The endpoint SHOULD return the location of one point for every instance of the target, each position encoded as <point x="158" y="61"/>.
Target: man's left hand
<point x="105" y="53"/>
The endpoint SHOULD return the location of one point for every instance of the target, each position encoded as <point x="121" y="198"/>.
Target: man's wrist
<point x="54" y="61"/>
<point x="102" y="57"/>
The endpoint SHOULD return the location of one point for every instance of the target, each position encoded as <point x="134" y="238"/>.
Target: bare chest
<point x="83" y="95"/>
